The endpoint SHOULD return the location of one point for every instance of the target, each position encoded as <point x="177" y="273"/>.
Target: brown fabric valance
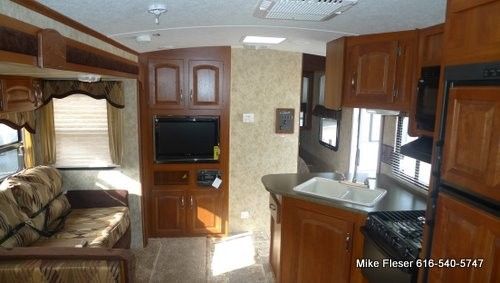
<point x="110" y="90"/>
<point x="19" y="120"/>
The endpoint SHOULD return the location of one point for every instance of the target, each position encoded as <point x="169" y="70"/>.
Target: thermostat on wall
<point x="285" y="120"/>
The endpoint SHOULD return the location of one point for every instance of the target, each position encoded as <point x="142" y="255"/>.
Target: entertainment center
<point x="184" y="114"/>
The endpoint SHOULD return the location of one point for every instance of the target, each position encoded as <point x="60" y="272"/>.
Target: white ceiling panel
<point x="191" y="23"/>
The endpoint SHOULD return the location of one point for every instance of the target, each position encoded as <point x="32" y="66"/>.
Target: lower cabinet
<point x="467" y="236"/>
<point x="181" y="212"/>
<point x="318" y="243"/>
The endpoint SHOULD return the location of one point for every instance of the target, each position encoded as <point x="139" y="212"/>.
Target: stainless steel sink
<point x="341" y="191"/>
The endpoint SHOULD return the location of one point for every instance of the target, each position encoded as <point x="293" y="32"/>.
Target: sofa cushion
<point x="101" y="227"/>
<point x="67" y="270"/>
<point x="13" y="231"/>
<point x="32" y="197"/>
<point x="47" y="175"/>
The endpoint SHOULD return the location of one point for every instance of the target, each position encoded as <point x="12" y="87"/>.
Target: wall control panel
<point x="285" y="118"/>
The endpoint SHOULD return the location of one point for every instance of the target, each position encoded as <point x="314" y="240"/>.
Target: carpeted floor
<point x="238" y="258"/>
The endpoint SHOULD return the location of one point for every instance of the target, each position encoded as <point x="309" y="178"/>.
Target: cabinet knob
<point x="182" y="201"/>
<point x="353" y="81"/>
<point x="348" y="242"/>
<point x="191" y="201"/>
<point x="191" y="94"/>
<point x="181" y="95"/>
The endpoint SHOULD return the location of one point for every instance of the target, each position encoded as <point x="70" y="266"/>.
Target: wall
<point x="127" y="176"/>
<point x="261" y="81"/>
<point x="320" y="157"/>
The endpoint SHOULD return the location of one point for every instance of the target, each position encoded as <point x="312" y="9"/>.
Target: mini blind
<point x="405" y="168"/>
<point x="81" y="132"/>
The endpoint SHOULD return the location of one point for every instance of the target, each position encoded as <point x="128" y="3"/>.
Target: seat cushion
<point x="101" y="227"/>
<point x="11" y="217"/>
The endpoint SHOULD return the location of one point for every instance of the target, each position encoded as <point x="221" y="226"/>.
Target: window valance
<point x="112" y="91"/>
<point x="19" y="120"/>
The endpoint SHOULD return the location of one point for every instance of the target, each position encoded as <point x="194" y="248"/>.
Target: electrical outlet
<point x="245" y="215"/>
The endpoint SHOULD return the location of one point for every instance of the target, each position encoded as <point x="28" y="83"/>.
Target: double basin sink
<point x="341" y="191"/>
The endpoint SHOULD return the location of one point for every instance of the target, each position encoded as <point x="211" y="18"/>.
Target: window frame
<point x="18" y="146"/>
<point x="320" y="132"/>
<point x="109" y="166"/>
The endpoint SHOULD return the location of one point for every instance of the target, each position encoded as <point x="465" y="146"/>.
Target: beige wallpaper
<point x="261" y="81"/>
<point x="26" y="15"/>
<point x="126" y="177"/>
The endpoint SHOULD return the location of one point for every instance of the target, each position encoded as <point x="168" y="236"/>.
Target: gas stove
<point x="399" y="233"/>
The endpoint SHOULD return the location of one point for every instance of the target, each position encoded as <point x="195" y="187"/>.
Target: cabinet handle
<point x="353" y="80"/>
<point x="191" y="94"/>
<point x="347" y="241"/>
<point x="182" y="201"/>
<point x="191" y="202"/>
<point x="182" y="96"/>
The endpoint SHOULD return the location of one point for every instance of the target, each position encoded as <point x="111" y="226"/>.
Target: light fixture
<point x="263" y="39"/>
<point x="143" y="38"/>
<point x="157" y="10"/>
<point x="89" y="78"/>
<point x="302" y="10"/>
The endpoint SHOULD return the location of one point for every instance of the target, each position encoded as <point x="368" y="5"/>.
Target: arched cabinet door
<point x="166" y="79"/>
<point x="205" y="84"/>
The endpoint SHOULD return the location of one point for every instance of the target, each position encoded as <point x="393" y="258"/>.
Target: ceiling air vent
<point x="302" y="10"/>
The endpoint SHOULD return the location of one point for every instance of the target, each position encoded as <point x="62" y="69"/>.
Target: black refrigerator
<point x="464" y="213"/>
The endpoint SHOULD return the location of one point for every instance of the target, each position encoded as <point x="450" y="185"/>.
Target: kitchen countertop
<point x="396" y="198"/>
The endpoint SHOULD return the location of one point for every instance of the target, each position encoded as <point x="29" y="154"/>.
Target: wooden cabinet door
<point x="205" y="212"/>
<point x="168" y="213"/>
<point x="316" y="247"/>
<point x="275" y="248"/>
<point x="166" y="83"/>
<point x="471" y="32"/>
<point x="370" y="73"/>
<point x="20" y="94"/>
<point x="465" y="232"/>
<point x="334" y="73"/>
<point x="472" y="140"/>
<point x="205" y="84"/>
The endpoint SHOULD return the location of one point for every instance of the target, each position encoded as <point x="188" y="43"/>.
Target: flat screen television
<point x="186" y="139"/>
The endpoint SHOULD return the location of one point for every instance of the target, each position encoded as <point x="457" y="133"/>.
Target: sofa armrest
<point x="124" y="257"/>
<point x="97" y="198"/>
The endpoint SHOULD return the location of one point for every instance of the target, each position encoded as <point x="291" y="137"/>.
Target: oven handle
<point x="386" y="252"/>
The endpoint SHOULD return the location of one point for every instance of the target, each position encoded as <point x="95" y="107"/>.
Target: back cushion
<point x="10" y="218"/>
<point x="47" y="175"/>
<point x="31" y="197"/>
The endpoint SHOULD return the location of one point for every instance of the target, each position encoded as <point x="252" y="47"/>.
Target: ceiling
<point x="193" y="23"/>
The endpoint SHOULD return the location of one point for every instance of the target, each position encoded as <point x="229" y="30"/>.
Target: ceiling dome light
<point x="157" y="10"/>
<point x="89" y="78"/>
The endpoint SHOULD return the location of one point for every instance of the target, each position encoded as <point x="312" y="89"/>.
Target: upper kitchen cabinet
<point x="426" y="81"/>
<point x="471" y="32"/>
<point x="334" y="73"/>
<point x="19" y="94"/>
<point x="166" y="83"/>
<point x="205" y="84"/>
<point x="379" y="70"/>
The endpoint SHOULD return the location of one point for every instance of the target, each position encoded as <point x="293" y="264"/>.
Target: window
<point x="81" y="132"/>
<point x="329" y="133"/>
<point x="406" y="168"/>
<point x="306" y="100"/>
<point x="11" y="158"/>
<point x="366" y="129"/>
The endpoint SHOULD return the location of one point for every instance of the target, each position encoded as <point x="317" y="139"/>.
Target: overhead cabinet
<point x="378" y="70"/>
<point x="186" y="83"/>
<point x="20" y="94"/>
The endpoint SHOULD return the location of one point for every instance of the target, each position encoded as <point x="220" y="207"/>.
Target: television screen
<point x="186" y="139"/>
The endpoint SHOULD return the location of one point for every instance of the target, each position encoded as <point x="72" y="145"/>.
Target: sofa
<point x="47" y="235"/>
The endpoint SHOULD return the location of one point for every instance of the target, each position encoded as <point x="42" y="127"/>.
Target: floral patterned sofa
<point x="49" y="236"/>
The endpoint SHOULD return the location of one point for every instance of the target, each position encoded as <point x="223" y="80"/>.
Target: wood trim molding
<point x="46" y="11"/>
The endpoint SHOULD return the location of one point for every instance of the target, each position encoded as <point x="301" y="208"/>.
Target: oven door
<point x="377" y="252"/>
